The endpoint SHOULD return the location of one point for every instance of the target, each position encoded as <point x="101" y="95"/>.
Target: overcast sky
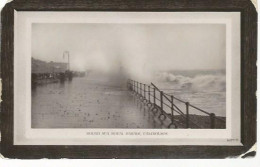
<point x="136" y="47"/>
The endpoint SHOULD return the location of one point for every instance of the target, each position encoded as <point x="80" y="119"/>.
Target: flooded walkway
<point x="94" y="101"/>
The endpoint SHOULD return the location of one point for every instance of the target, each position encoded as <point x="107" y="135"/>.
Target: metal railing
<point x="159" y="100"/>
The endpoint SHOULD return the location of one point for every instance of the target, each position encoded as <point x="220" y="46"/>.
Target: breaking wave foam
<point x="207" y="82"/>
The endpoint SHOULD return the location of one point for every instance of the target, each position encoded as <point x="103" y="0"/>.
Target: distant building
<point x="39" y="66"/>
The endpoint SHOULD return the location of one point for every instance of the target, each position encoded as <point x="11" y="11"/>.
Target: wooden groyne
<point x="164" y="103"/>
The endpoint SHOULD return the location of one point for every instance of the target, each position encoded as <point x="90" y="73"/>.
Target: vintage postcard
<point x="127" y="78"/>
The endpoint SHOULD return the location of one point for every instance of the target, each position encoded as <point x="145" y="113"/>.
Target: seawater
<point x="205" y="89"/>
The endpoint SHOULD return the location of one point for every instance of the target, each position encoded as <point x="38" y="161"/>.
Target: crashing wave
<point x="200" y="82"/>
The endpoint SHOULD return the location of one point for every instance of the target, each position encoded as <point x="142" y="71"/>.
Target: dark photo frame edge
<point x="248" y="80"/>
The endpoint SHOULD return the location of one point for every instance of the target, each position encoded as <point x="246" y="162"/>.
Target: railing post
<point x="161" y="94"/>
<point x="212" y="120"/>
<point x="187" y="114"/>
<point x="172" y="109"/>
<point x="154" y="95"/>
<point x="149" y="93"/>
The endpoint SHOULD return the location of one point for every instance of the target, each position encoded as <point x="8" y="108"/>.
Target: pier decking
<point x="94" y="101"/>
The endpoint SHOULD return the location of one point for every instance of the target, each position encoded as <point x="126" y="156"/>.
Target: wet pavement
<point x="94" y="101"/>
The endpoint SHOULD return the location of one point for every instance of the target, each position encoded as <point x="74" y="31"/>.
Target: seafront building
<point x="41" y="67"/>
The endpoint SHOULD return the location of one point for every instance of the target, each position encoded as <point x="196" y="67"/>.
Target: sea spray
<point x="205" y="89"/>
<point x="195" y="83"/>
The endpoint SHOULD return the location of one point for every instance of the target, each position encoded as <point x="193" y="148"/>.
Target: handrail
<point x="141" y="89"/>
<point x="176" y="98"/>
<point x="185" y="102"/>
<point x="178" y="111"/>
<point x="200" y="109"/>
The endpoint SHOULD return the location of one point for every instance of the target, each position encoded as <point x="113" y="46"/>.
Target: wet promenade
<point x="94" y="101"/>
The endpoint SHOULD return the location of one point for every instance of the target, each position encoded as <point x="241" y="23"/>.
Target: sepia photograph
<point x="137" y="76"/>
<point x="121" y="79"/>
<point x="127" y="78"/>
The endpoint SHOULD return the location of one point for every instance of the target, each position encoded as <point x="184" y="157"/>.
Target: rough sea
<point x="205" y="89"/>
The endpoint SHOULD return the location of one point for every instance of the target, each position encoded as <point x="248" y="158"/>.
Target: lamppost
<point x="68" y="54"/>
<point x="68" y="73"/>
